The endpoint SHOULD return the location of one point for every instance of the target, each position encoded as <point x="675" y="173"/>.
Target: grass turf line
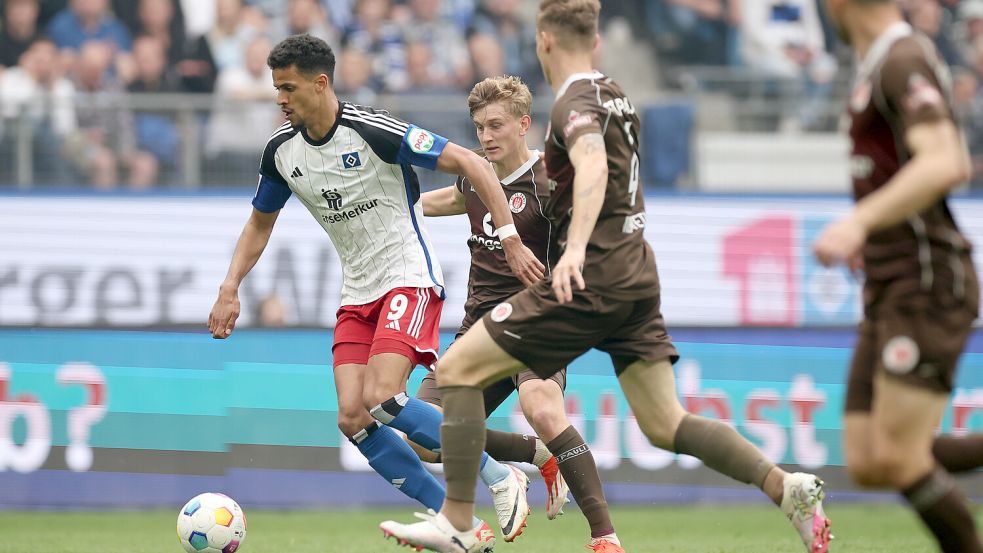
<point x="753" y="529"/>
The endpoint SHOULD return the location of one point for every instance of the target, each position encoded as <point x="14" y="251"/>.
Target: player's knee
<point x="898" y="468"/>
<point x="372" y="398"/>
<point x="659" y="433"/>
<point x="352" y="420"/>
<point x="880" y="469"/>
<point x="452" y="373"/>
<point x="547" y="420"/>
<point x="864" y="473"/>
<point x="349" y="426"/>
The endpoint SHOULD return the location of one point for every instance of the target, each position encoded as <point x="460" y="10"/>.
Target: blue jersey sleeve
<point x="421" y="147"/>
<point x="272" y="191"/>
<point x="271" y="194"/>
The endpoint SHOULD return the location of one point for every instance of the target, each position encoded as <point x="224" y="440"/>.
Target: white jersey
<point x="358" y="182"/>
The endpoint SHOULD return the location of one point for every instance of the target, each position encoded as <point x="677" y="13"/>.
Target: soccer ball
<point x="211" y="523"/>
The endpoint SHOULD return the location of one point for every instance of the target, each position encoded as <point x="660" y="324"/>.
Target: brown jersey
<point x="619" y="264"/>
<point x="901" y="83"/>
<point x="491" y="280"/>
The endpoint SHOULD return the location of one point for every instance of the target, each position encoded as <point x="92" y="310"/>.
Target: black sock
<point x="943" y="508"/>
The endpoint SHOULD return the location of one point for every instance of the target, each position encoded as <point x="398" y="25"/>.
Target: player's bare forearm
<point x="939" y="164"/>
<point x="252" y="241"/>
<point x="461" y="161"/>
<point x="482" y="177"/>
<point x="590" y="162"/>
<point x="255" y="235"/>
<point x="443" y="202"/>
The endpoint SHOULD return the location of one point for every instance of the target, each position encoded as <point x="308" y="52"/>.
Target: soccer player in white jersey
<point x="351" y="166"/>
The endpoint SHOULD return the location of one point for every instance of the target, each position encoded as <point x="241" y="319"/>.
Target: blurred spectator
<point x="927" y="16"/>
<point x="968" y="106"/>
<point x="36" y="89"/>
<point x="128" y="12"/>
<point x="449" y="62"/>
<point x="189" y="60"/>
<point x="234" y="27"/>
<point x="271" y="312"/>
<point x="487" y="56"/>
<point x="304" y="17"/>
<point x="88" y="20"/>
<point x="500" y="21"/>
<point x="156" y="132"/>
<point x="245" y="114"/>
<point x="459" y="12"/>
<point x="978" y="56"/>
<point x="433" y="97"/>
<point x="784" y="41"/>
<point x="199" y="16"/>
<point x="48" y="10"/>
<point x="693" y="32"/>
<point x="419" y="67"/>
<point x="105" y="137"/>
<point x="151" y="62"/>
<point x="373" y="32"/>
<point x="340" y="12"/>
<point x="353" y="77"/>
<point x="18" y="30"/>
<point x="970" y="27"/>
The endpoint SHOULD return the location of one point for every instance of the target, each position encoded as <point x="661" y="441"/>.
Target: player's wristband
<point x="506" y="231"/>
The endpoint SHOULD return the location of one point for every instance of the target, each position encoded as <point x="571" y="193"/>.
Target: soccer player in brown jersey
<point x="603" y="292"/>
<point x="500" y="108"/>
<point x="921" y="293"/>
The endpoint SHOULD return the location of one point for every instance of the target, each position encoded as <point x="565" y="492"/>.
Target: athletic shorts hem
<point x="497" y="334"/>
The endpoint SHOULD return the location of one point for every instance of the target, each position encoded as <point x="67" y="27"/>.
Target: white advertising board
<point x="158" y="260"/>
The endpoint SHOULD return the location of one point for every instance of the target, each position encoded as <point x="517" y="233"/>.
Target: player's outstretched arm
<point x="255" y="235"/>
<point x="443" y="202"/>
<point x="460" y="161"/>
<point x="939" y="163"/>
<point x="589" y="158"/>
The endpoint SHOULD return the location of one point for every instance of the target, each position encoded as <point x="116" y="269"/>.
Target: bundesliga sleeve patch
<point x="576" y="120"/>
<point x="922" y="94"/>
<point x="419" y="140"/>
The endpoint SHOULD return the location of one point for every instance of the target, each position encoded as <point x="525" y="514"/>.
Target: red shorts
<point x="404" y="321"/>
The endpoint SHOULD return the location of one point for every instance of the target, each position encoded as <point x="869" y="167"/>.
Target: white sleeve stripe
<point x="280" y="130"/>
<point x="377" y="116"/>
<point x="382" y="116"/>
<point x="281" y="133"/>
<point x="379" y="123"/>
<point x="376" y="124"/>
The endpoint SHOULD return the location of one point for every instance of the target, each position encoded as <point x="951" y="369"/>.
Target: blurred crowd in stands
<point x="65" y="66"/>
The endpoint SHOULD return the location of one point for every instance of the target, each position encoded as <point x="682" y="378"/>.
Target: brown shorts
<point x="495" y="394"/>
<point x="919" y="345"/>
<point x="546" y="336"/>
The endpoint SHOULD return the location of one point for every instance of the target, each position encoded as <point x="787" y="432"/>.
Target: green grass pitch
<point x="737" y="529"/>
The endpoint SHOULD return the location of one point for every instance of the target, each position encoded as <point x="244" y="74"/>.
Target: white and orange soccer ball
<point x="211" y="523"/>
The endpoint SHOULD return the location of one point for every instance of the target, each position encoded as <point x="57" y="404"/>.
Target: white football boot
<point x="511" y="506"/>
<point x="802" y="503"/>
<point x="436" y="533"/>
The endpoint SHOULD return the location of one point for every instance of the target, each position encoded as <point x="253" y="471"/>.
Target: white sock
<point x="613" y="538"/>
<point x="542" y="454"/>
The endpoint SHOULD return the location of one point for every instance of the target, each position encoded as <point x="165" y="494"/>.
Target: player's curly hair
<point x="573" y="22"/>
<point x="309" y="54"/>
<point x="508" y="89"/>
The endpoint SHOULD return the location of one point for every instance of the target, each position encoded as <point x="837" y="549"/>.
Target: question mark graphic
<point x="30" y="456"/>
<point x="78" y="455"/>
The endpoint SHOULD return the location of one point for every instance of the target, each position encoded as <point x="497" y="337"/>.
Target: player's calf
<point x="419" y="420"/>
